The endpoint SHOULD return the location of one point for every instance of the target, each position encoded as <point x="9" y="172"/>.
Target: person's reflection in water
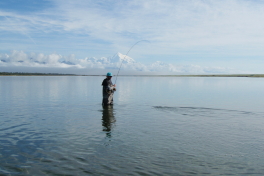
<point x="108" y="119"/>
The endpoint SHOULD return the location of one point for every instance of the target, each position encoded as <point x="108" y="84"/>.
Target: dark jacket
<point x="108" y="92"/>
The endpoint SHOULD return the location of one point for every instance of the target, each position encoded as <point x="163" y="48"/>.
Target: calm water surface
<point x="158" y="126"/>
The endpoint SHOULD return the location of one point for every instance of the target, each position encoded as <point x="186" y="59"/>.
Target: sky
<point x="177" y="37"/>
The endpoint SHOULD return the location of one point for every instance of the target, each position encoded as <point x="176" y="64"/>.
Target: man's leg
<point x="110" y="99"/>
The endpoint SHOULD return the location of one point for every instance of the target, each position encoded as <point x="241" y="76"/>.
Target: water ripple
<point x="203" y="110"/>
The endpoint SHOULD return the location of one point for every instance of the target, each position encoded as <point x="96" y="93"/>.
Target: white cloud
<point x="165" y="20"/>
<point x="18" y="60"/>
<point x="167" y="23"/>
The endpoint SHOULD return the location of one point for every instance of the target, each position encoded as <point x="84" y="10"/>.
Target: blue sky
<point x="226" y="34"/>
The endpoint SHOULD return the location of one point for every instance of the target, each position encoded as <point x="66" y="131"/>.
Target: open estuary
<point x="56" y="125"/>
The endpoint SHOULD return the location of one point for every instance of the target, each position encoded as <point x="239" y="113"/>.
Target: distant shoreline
<point x="213" y="75"/>
<point x="58" y="74"/>
<point x="33" y="74"/>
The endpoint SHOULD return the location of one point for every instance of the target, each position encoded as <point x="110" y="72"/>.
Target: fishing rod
<point x="126" y="56"/>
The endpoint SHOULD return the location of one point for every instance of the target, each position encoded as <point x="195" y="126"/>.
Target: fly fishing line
<point x="126" y="56"/>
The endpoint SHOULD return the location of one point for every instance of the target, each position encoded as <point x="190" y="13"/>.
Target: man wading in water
<point x="108" y="90"/>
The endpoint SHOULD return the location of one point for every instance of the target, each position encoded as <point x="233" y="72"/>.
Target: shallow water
<point x="158" y="126"/>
